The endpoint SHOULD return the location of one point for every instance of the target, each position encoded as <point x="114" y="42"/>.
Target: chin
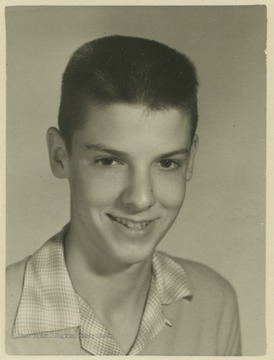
<point x="134" y="256"/>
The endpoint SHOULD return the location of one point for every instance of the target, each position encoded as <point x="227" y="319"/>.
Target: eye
<point x="106" y="161"/>
<point x="169" y="164"/>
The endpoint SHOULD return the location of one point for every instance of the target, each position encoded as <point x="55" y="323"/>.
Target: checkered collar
<point x="49" y="302"/>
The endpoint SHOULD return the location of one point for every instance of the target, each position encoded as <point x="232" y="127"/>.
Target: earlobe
<point x="57" y="153"/>
<point x="193" y="150"/>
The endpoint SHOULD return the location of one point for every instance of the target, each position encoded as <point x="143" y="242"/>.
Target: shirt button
<point x="168" y="322"/>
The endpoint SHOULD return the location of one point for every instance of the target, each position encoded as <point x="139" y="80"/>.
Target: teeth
<point x="130" y="224"/>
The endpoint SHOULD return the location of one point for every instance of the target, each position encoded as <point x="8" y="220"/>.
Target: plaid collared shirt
<point x="49" y="302"/>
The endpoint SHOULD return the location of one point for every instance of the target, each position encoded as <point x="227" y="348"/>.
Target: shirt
<point x="50" y="312"/>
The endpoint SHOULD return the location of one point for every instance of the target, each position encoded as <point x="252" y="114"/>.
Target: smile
<point x="133" y="225"/>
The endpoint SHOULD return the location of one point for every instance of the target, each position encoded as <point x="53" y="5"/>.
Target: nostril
<point x="138" y="197"/>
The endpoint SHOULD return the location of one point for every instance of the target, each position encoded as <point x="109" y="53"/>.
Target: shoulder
<point x="15" y="273"/>
<point x="206" y="282"/>
<point x="212" y="309"/>
<point x="14" y="287"/>
<point x="15" y="281"/>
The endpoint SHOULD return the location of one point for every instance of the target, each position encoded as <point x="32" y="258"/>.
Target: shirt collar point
<point x="173" y="283"/>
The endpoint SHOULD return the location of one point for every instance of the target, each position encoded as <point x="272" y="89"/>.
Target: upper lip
<point x="132" y="220"/>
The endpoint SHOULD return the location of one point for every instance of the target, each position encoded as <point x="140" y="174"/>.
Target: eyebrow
<point x="102" y="148"/>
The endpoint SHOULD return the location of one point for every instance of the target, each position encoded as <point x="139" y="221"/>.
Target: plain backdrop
<point x="222" y="223"/>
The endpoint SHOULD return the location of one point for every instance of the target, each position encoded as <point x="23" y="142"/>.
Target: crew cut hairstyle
<point x="122" y="69"/>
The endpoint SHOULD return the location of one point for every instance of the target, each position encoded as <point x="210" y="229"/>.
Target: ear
<point x="193" y="149"/>
<point x="58" y="155"/>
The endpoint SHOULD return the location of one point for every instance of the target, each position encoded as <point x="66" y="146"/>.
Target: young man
<point x="126" y="144"/>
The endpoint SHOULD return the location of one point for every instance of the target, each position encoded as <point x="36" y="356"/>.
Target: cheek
<point x="95" y="188"/>
<point x="170" y="191"/>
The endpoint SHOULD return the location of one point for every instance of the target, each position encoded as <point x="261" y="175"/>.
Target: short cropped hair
<point x="123" y="69"/>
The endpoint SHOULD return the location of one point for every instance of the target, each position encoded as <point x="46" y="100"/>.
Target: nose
<point x="138" y="195"/>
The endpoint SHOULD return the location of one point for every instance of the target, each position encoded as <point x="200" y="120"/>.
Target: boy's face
<point x="127" y="173"/>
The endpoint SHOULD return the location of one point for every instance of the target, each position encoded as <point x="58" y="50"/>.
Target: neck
<point x="116" y="285"/>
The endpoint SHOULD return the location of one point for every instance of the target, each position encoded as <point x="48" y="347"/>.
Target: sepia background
<point x="222" y="223"/>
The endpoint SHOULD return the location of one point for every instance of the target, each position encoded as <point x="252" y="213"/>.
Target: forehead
<point x="134" y="127"/>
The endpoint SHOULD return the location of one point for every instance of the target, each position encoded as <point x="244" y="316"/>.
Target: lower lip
<point x="130" y="231"/>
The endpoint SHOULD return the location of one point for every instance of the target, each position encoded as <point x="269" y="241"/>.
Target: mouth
<point x="132" y="225"/>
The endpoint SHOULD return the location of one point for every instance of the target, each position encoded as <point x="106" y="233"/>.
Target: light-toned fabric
<point x="190" y="310"/>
